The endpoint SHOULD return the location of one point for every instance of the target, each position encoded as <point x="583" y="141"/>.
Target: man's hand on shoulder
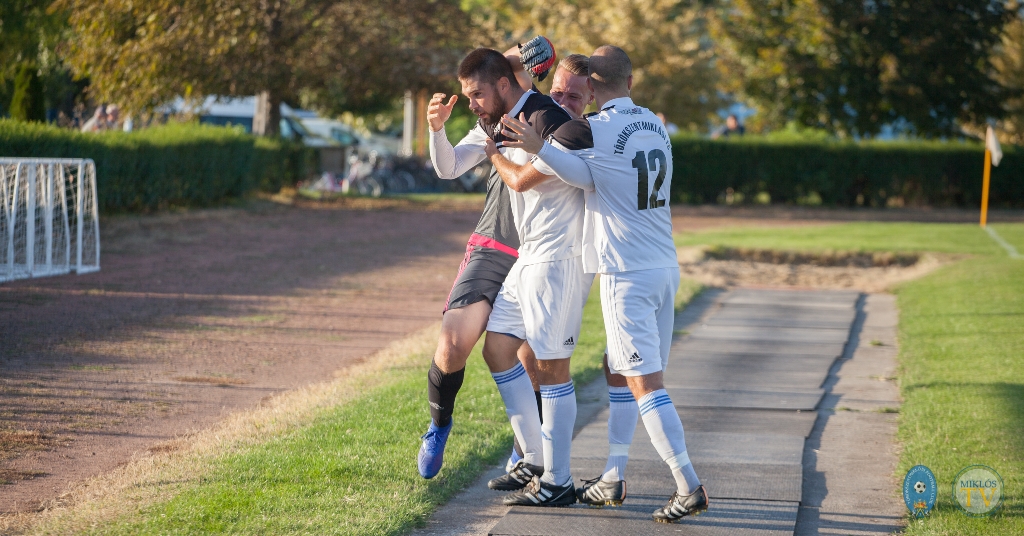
<point x="490" y="149"/>
<point x="438" y="112"/>
<point x="521" y="134"/>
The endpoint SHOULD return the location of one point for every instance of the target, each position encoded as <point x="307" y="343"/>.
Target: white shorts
<point x="543" y="304"/>
<point x="639" y="313"/>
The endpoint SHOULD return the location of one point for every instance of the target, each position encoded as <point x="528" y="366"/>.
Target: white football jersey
<point x="549" y="216"/>
<point x="628" y="224"/>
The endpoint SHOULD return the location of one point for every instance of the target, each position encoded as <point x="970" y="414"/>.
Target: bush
<point x="171" y="165"/>
<point x="793" y="171"/>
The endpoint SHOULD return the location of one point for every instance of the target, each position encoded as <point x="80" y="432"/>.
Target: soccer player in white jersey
<point x="626" y="176"/>
<point x="542" y="299"/>
<point x="572" y="90"/>
<point x="492" y="90"/>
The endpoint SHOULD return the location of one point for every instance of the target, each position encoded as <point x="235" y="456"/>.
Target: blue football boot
<point x="431" y="455"/>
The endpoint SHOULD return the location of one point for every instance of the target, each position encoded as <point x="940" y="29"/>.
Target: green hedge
<point x="917" y="173"/>
<point x="171" y="165"/>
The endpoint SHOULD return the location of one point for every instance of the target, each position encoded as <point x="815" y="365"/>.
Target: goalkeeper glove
<point x="538" y="56"/>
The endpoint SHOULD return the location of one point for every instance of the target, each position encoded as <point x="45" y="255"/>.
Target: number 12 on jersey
<point x="654" y="161"/>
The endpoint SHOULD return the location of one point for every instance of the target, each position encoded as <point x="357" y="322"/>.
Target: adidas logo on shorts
<point x="635" y="359"/>
<point x="569" y="342"/>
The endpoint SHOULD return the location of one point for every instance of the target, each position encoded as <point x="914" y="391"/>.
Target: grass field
<point x="351" y="469"/>
<point x="961" y="337"/>
<point x="897" y="237"/>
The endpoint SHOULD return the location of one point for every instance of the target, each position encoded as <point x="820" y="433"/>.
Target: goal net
<point x="49" y="223"/>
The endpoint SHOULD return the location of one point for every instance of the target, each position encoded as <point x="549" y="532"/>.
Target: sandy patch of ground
<point x="761" y="269"/>
<point x="807" y="273"/>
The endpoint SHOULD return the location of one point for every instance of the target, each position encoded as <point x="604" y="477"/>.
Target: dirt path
<point x="196" y="315"/>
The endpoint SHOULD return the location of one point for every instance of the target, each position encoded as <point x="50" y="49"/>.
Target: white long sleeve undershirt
<point x="451" y="162"/>
<point x="567" y="167"/>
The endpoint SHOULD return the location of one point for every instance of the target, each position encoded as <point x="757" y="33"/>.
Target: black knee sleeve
<point x="441" y="391"/>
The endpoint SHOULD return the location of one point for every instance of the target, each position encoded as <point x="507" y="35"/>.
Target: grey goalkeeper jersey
<point x="498" y="220"/>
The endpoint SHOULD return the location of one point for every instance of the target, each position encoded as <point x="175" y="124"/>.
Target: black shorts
<point x="481" y="275"/>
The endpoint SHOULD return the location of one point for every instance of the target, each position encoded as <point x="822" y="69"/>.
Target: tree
<point x="852" y="67"/>
<point x="27" y="29"/>
<point x="29" y="37"/>
<point x="329" y="53"/>
<point x="673" y="62"/>
<point x="27" y="101"/>
<point x="1008" y="62"/>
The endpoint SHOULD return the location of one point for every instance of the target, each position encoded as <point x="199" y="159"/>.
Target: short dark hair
<point x="610" y="68"/>
<point x="577" y="64"/>
<point x="486" y="65"/>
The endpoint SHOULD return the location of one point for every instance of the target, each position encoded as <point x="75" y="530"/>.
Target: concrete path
<point x="850" y="456"/>
<point x="786" y="400"/>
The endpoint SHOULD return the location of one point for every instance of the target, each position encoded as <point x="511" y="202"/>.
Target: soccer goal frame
<point x="49" y="217"/>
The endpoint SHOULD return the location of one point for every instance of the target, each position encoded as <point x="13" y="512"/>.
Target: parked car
<point x="346" y="135"/>
<point x="239" y="111"/>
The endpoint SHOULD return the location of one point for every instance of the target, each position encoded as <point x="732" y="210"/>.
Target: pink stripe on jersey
<point x="483" y="241"/>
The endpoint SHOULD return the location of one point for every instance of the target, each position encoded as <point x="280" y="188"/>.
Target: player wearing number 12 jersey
<point x="627" y="238"/>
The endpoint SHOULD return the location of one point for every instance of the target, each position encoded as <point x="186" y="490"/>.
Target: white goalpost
<point x="49" y="220"/>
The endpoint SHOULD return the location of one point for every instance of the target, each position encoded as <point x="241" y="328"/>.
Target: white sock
<point x="559" y="402"/>
<point x="622" y="415"/>
<point x="666" y="431"/>
<point x="521" y="408"/>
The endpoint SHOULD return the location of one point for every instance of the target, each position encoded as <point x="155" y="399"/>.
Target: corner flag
<point x="993" y="154"/>
<point x="992" y="144"/>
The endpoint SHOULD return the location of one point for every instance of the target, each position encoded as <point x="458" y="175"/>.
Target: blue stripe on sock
<point x="650" y="404"/>
<point x="557" y="392"/>
<point x="554" y="394"/>
<point x="653" y="401"/>
<point x="621" y="397"/>
<point x="509" y="375"/>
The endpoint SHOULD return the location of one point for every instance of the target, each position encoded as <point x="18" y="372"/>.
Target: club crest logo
<point x="920" y="490"/>
<point x="978" y="490"/>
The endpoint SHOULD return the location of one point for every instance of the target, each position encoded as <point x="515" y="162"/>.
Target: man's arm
<point x="554" y="158"/>
<point x="451" y="162"/>
<point x="519" y="178"/>
<point x="515" y="58"/>
<point x="570" y="168"/>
